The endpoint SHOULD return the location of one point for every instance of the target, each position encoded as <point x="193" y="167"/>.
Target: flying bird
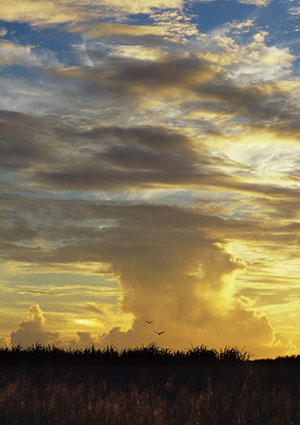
<point x="149" y="322"/>
<point x="159" y="333"/>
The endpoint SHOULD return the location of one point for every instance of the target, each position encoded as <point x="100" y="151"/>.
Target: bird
<point x="149" y="322"/>
<point x="159" y="333"/>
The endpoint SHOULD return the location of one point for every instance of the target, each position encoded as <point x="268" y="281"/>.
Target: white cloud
<point x="295" y="10"/>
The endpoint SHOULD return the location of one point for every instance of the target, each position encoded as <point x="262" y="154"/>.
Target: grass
<point x="150" y="354"/>
<point x="147" y="385"/>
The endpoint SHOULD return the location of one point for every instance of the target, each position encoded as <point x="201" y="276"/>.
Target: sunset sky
<point x="149" y="154"/>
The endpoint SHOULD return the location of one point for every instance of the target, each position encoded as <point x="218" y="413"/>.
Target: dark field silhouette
<point x="147" y="385"/>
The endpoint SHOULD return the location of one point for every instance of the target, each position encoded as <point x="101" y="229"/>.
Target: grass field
<point x="148" y="385"/>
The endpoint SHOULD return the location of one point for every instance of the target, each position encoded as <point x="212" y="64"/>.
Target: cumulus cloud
<point x="84" y="340"/>
<point x="177" y="276"/>
<point x="31" y="330"/>
<point x="171" y="268"/>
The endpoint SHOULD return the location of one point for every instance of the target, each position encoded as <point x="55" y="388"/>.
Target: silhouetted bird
<point x="149" y="322"/>
<point x="159" y="333"/>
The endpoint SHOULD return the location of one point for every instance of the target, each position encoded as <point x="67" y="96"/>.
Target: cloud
<point x="3" y="343"/>
<point x="134" y="33"/>
<point x="92" y="307"/>
<point x="142" y="156"/>
<point x="43" y="12"/>
<point x="112" y="157"/>
<point x="256" y="2"/>
<point x="3" y="32"/>
<point x="248" y="85"/>
<point x="171" y="269"/>
<point x="129" y="77"/>
<point x="11" y="53"/>
<point x="175" y="275"/>
<point x="31" y="330"/>
<point x="170" y="262"/>
<point x="24" y="141"/>
<point x="84" y="340"/>
<point x="39" y="12"/>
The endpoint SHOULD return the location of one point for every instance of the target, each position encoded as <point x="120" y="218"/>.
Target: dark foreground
<point x="49" y="386"/>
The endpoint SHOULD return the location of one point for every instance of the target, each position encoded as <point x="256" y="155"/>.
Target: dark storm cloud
<point x="75" y="230"/>
<point x="131" y="78"/>
<point x="261" y="104"/>
<point x="56" y="155"/>
<point x="24" y="141"/>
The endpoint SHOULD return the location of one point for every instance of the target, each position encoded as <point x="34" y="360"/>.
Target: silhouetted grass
<point x="151" y="354"/>
<point x="147" y="385"/>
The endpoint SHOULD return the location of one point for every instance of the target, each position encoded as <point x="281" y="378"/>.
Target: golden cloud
<point x="64" y="11"/>
<point x="110" y="30"/>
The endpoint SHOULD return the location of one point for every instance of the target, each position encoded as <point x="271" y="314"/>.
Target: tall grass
<point x="147" y="385"/>
<point x="139" y="355"/>
<point x="69" y="401"/>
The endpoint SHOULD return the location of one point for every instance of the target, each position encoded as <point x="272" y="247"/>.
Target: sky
<point x="149" y="166"/>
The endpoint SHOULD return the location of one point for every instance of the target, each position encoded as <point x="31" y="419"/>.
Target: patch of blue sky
<point x="56" y="40"/>
<point x="276" y="16"/>
<point x="283" y="28"/>
<point x="138" y="19"/>
<point x="31" y="74"/>
<point x="178" y="197"/>
<point x="33" y="90"/>
<point x="212" y="15"/>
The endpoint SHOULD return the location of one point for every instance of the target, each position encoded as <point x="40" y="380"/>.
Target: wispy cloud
<point x="256" y="2"/>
